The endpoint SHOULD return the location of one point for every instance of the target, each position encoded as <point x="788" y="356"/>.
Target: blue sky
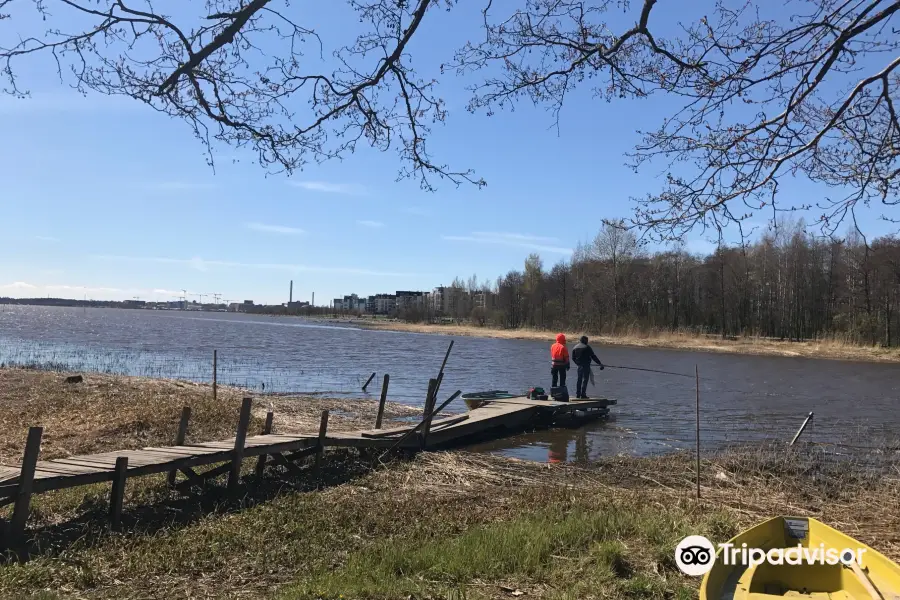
<point x="105" y="198"/>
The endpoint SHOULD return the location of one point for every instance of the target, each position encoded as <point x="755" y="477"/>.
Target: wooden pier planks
<point x="506" y="413"/>
<point x="509" y="414"/>
<point x="380" y="433"/>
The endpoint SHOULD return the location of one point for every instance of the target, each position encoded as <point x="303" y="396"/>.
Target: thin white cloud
<point x="165" y="292"/>
<point x="516" y="240"/>
<point x="281" y="229"/>
<point x="370" y="224"/>
<point x="514" y="237"/>
<point x="181" y="186"/>
<point x="354" y="189"/>
<point x="21" y="286"/>
<point x="417" y="210"/>
<point x="22" y="289"/>
<point x="201" y="264"/>
<point x="46" y="238"/>
<point x="18" y="285"/>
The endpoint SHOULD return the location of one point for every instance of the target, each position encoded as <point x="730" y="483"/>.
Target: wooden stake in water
<point x="215" y="368"/>
<point x="802" y="427"/>
<point x="697" y="375"/>
<point x="368" y="381"/>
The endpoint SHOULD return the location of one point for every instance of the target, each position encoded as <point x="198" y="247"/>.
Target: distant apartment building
<point x="483" y="300"/>
<point x="446" y="300"/>
<point x="385" y="304"/>
<point x="350" y="303"/>
<point x="438" y="300"/>
<point x="406" y="301"/>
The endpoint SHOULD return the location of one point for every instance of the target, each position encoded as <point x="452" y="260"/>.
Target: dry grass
<point x="460" y="525"/>
<point x="106" y="412"/>
<point x="114" y="412"/>
<point x="444" y="525"/>
<point x="829" y="349"/>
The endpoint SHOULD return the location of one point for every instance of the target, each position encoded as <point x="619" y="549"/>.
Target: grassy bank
<point x="829" y="349"/>
<point x="112" y="412"/>
<point x="444" y="525"/>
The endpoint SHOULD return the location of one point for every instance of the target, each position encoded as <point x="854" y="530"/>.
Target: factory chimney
<point x="291" y="294"/>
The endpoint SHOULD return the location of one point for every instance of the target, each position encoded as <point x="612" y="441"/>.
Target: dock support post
<point x="697" y="376"/>
<point x="215" y="372"/>
<point x="430" y="401"/>
<point x="179" y="438"/>
<point x="26" y="484"/>
<point x="238" y="452"/>
<point x="802" y="427"/>
<point x="446" y="356"/>
<point x="440" y="376"/>
<point x="368" y="381"/>
<point x="320" y="448"/>
<point x="415" y="429"/>
<point x="384" y="390"/>
<point x="261" y="462"/>
<point x="117" y="494"/>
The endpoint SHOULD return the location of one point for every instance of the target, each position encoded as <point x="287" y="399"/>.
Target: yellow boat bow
<point x="804" y="558"/>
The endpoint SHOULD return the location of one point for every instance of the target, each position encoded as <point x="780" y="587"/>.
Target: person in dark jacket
<point x="582" y="355"/>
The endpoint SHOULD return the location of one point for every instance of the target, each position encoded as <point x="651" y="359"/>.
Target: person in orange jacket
<point x="559" y="360"/>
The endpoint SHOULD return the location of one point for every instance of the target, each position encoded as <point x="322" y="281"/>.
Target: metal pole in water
<point x="215" y="369"/>
<point x="802" y="427"/>
<point x="697" y="375"/>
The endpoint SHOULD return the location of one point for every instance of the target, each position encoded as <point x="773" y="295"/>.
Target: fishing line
<point x="649" y="370"/>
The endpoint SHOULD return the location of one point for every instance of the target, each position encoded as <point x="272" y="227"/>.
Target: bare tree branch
<point x="238" y="72"/>
<point x="762" y="99"/>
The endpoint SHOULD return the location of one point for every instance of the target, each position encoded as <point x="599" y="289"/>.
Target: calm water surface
<point x="743" y="398"/>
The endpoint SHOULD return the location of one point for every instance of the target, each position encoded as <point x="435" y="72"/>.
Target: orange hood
<point x="560" y="338"/>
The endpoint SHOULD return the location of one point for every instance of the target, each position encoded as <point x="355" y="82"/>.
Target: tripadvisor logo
<point x="695" y="555"/>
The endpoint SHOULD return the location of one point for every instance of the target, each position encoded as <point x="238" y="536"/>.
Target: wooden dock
<point x="496" y="419"/>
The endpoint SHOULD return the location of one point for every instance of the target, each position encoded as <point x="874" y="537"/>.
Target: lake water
<point x="743" y="398"/>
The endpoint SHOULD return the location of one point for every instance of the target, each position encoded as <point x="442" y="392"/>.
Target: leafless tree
<point x="764" y="91"/>
<point x="789" y="284"/>
<point x="812" y="91"/>
<point x="243" y="72"/>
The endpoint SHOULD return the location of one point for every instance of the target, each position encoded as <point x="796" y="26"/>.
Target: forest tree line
<point x="788" y="284"/>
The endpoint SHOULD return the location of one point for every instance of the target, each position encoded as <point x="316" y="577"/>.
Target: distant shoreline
<point x="683" y="341"/>
<point x="822" y="349"/>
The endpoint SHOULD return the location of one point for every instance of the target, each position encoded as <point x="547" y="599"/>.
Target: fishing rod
<point x="649" y="370"/>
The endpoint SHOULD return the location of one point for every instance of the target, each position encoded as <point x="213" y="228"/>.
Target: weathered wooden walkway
<point x="497" y="418"/>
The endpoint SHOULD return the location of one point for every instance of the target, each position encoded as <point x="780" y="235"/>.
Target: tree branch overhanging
<point x="241" y="72"/>
<point x="757" y="98"/>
